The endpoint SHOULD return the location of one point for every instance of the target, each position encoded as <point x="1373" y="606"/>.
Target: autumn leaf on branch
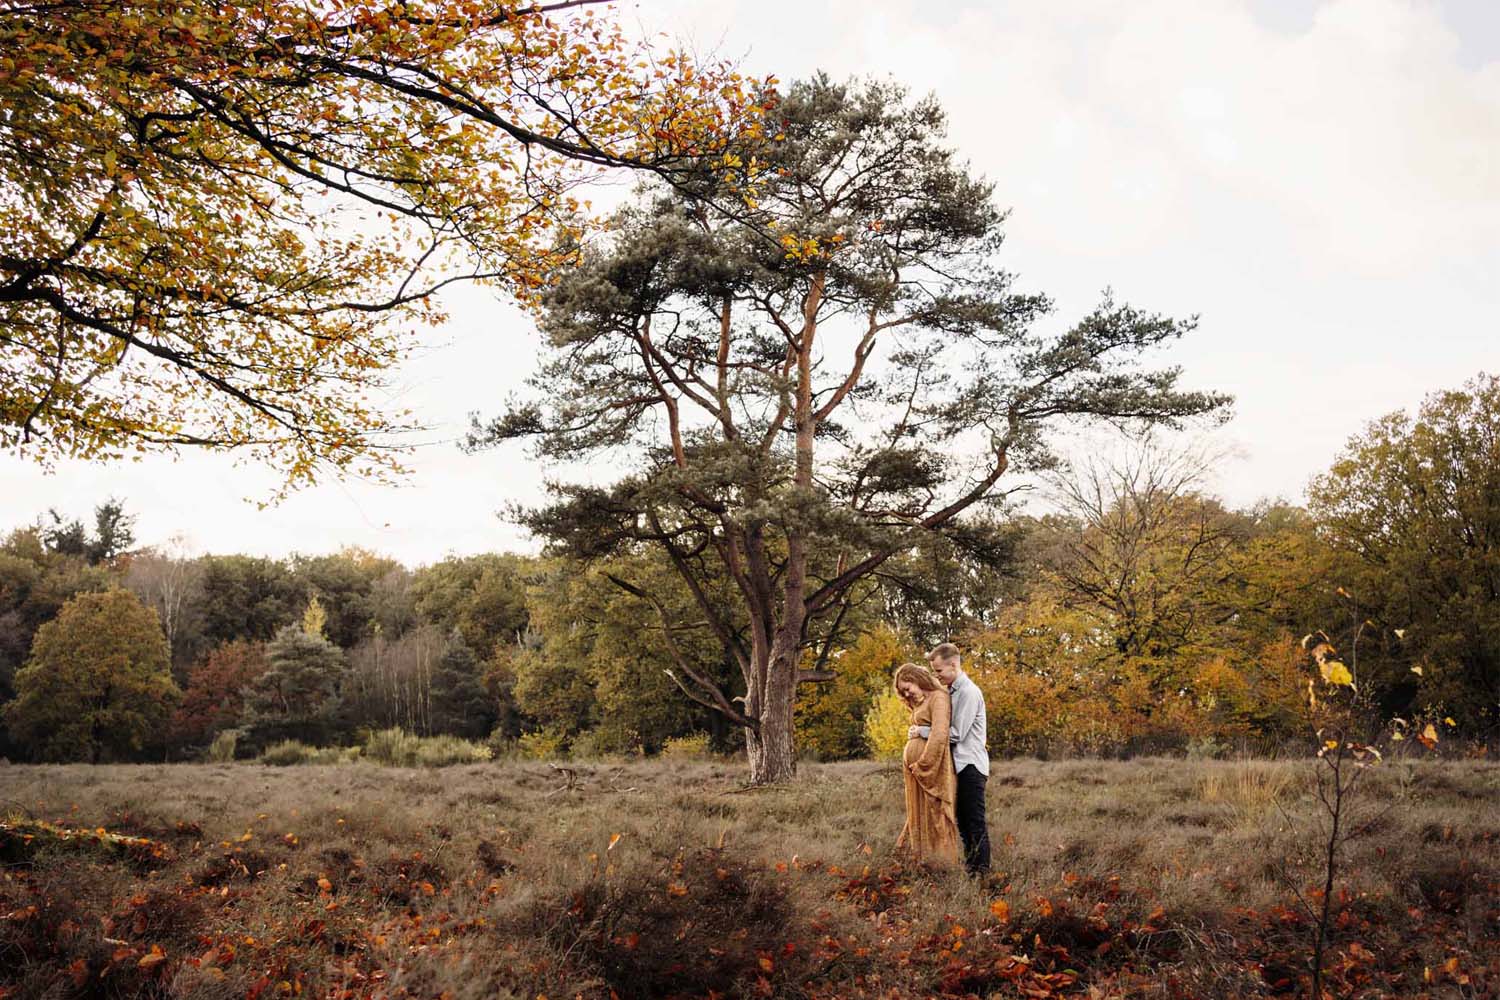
<point x="223" y="220"/>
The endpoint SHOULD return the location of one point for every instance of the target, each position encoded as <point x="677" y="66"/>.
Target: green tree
<point x="483" y="596"/>
<point x="98" y="684"/>
<point x="248" y="597"/>
<point x="1412" y="511"/>
<point x="814" y="384"/>
<point x="34" y="585"/>
<point x="114" y="532"/>
<point x="460" y="704"/>
<point x="591" y="635"/>
<point x="297" y="696"/>
<point x="345" y="583"/>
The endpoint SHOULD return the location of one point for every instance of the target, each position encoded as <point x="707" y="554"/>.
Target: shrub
<point x="441" y="751"/>
<point x="393" y="747"/>
<point x="605" y="741"/>
<point x="287" y="753"/>
<point x="692" y="747"/>
<point x="542" y="744"/>
<point x="885" y="726"/>
<point x="221" y="750"/>
<point x="501" y="745"/>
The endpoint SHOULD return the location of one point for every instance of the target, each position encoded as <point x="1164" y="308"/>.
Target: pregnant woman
<point x="931" y="831"/>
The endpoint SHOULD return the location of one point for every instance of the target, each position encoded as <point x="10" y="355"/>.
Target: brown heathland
<point x="1141" y="878"/>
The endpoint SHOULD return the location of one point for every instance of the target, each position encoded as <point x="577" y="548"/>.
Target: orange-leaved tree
<point x="220" y="217"/>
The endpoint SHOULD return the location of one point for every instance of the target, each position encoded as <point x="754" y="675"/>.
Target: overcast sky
<point x="1319" y="182"/>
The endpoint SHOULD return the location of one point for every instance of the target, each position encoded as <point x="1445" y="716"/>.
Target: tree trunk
<point x="770" y="750"/>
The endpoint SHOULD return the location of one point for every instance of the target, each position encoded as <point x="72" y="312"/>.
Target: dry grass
<point x="488" y="880"/>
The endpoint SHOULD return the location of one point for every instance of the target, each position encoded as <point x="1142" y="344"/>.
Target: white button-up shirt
<point x="968" y="737"/>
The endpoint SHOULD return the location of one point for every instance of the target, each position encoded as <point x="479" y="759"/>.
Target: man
<point x="971" y="757"/>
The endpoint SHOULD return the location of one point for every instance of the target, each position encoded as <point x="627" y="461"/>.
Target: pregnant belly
<point x="914" y="748"/>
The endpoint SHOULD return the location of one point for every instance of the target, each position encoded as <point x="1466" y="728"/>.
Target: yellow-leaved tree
<point x="830" y="717"/>
<point x="886" y="723"/>
<point x="219" y="219"/>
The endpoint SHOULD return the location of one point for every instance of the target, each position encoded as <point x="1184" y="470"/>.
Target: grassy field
<point x="1148" y="878"/>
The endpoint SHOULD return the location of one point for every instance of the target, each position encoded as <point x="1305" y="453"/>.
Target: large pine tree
<point x="828" y="374"/>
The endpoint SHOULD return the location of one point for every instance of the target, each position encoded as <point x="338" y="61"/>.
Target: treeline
<point x="1143" y="615"/>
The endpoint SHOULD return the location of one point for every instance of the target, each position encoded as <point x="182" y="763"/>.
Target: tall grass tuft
<point x="221" y="750"/>
<point x="395" y="747"/>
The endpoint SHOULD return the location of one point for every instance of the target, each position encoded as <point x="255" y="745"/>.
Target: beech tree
<point x="98" y="684"/>
<point x="812" y="383"/>
<point x="219" y="217"/>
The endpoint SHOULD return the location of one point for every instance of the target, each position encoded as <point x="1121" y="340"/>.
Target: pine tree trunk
<point x="771" y="754"/>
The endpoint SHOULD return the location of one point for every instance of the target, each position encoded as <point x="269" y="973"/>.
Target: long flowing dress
<point x="931" y="830"/>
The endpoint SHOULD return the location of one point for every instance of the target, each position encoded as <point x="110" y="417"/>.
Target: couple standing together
<point x="946" y="762"/>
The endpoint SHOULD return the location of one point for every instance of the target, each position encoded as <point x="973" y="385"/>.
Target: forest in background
<point x="1141" y="615"/>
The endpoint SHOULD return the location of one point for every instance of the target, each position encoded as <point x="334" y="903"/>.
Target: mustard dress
<point x="931" y="830"/>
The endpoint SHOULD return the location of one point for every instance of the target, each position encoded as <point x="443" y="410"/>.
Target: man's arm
<point x="965" y="711"/>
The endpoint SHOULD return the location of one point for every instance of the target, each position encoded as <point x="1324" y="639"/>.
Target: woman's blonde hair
<point x="917" y="674"/>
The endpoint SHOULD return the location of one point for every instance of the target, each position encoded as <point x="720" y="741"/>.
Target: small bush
<point x="692" y="747"/>
<point x="287" y="753"/>
<point x="440" y="751"/>
<point x="543" y="744"/>
<point x="605" y="741"/>
<point x="885" y="726"/>
<point x="393" y="747"/>
<point x="221" y="750"/>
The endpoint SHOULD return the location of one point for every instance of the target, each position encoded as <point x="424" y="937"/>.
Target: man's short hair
<point x="943" y="651"/>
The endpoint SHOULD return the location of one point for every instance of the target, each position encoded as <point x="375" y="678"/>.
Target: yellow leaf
<point x="1417" y="670"/>
<point x="1336" y="673"/>
<point x="1400" y="633"/>
<point x="1001" y="911"/>
<point x="153" y="958"/>
<point x="614" y="839"/>
<point x="1448" y="721"/>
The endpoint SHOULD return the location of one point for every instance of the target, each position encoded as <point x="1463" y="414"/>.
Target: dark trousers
<point x="969" y="807"/>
